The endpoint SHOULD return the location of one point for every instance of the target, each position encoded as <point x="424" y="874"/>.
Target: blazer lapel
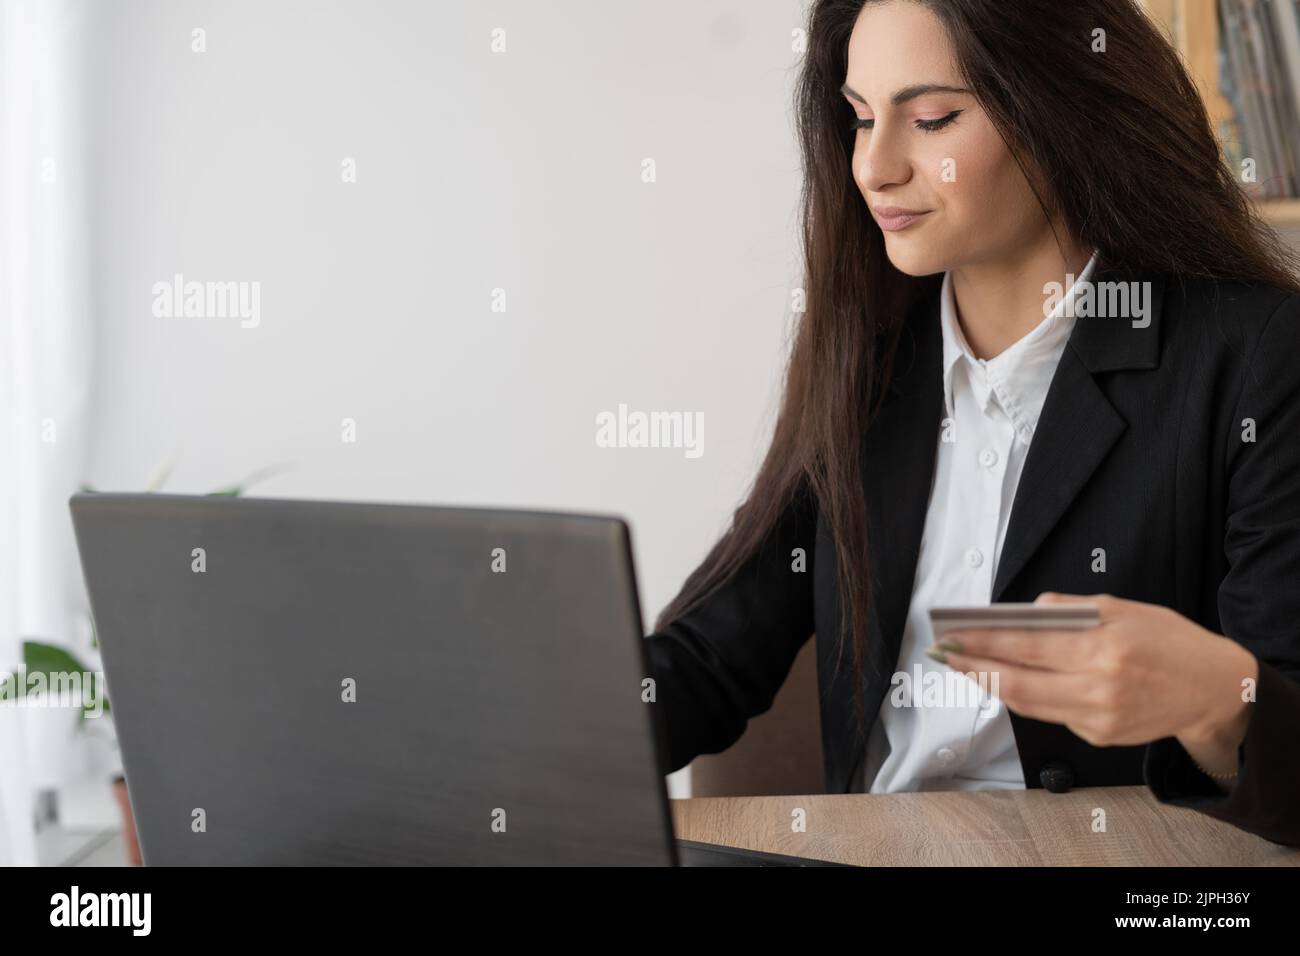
<point x="898" y="469"/>
<point x="1078" y="424"/>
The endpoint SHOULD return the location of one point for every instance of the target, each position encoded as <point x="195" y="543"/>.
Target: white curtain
<point x="45" y="352"/>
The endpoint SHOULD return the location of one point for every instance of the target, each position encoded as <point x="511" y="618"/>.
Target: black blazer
<point x="1139" y="450"/>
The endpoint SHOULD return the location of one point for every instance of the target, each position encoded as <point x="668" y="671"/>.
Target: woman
<point x="956" y="429"/>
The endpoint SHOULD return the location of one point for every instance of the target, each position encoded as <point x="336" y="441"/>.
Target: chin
<point x="912" y="257"/>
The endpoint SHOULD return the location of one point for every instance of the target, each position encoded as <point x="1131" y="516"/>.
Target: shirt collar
<point x="1017" y="377"/>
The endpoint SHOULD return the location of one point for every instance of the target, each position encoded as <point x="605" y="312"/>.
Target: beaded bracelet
<point x="1215" y="776"/>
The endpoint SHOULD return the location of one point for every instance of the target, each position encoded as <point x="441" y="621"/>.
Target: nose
<point x="879" y="160"/>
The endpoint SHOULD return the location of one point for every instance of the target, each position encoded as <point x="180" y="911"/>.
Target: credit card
<point x="1021" y="616"/>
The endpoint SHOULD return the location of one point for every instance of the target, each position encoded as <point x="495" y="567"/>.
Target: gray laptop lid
<point x="497" y="715"/>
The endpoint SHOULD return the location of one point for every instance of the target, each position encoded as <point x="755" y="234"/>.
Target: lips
<point x="894" y="218"/>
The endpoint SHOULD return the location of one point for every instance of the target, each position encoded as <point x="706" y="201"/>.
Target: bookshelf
<point x="1193" y="28"/>
<point x="1281" y="212"/>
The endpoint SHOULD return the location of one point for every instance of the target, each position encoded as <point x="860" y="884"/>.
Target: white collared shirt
<point x="964" y="741"/>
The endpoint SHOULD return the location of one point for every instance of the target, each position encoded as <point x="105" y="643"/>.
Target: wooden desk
<point x="979" y="828"/>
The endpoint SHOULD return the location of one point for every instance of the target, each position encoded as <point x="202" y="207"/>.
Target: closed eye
<point x="936" y="124"/>
<point x="927" y="126"/>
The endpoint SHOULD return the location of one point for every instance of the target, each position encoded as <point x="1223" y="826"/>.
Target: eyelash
<point x="925" y="126"/>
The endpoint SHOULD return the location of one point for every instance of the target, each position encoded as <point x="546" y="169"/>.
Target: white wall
<point x="45" y="363"/>
<point x="519" y="170"/>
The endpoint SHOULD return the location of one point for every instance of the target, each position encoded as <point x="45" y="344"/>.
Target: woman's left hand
<point x="1144" y="673"/>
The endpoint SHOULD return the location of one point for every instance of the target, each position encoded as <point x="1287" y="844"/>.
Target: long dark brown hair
<point x="1135" y="171"/>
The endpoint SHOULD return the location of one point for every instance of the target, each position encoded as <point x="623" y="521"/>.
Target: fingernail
<point x="950" y="645"/>
<point x="936" y="654"/>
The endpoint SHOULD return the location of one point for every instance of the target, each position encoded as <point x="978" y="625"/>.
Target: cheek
<point x="983" y="174"/>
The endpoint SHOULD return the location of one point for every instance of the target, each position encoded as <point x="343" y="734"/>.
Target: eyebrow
<point x="906" y="93"/>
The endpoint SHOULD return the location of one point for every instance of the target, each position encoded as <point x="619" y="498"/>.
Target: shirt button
<point x="946" y="754"/>
<point x="988" y="458"/>
<point x="974" y="557"/>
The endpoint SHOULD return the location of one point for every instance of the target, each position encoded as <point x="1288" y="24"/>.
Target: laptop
<point x="325" y="683"/>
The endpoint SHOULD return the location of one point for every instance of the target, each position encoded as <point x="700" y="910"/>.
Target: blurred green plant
<point x="52" y="664"/>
